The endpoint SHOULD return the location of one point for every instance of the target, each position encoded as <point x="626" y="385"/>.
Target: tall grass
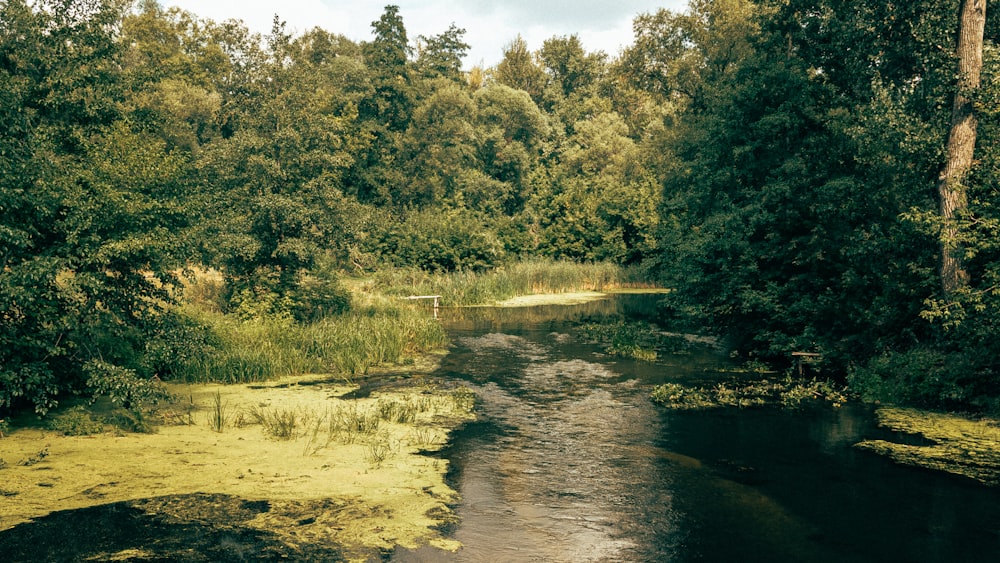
<point x="349" y="345"/>
<point x="522" y="278"/>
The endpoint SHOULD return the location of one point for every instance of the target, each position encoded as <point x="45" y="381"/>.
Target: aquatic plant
<point x="785" y="392"/>
<point x="636" y="340"/>
<point x="396" y="410"/>
<point x="679" y="397"/>
<point x="464" y="399"/>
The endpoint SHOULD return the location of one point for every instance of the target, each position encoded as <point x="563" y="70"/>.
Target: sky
<point x="490" y="25"/>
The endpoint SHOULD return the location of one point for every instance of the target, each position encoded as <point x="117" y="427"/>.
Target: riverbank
<point x="299" y="469"/>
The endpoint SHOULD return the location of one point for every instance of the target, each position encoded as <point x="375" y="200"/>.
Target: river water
<point x="571" y="461"/>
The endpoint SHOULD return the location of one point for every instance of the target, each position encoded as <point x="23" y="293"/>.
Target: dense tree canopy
<point x="776" y="163"/>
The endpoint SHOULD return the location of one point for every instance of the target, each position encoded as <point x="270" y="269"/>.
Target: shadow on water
<point x="571" y="461"/>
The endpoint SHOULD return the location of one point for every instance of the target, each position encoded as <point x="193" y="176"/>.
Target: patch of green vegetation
<point x="351" y="344"/>
<point x="464" y="398"/>
<point x="378" y="449"/>
<point x="131" y="420"/>
<point x="278" y="423"/>
<point x="218" y="417"/>
<point x="469" y="287"/>
<point x="637" y="340"/>
<point x="35" y="459"/>
<point x="786" y="392"/>
<point x="959" y="445"/>
<point x="75" y="421"/>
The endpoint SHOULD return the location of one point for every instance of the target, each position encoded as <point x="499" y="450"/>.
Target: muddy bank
<point x="296" y="471"/>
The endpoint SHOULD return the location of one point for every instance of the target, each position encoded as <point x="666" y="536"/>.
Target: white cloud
<point x="490" y="24"/>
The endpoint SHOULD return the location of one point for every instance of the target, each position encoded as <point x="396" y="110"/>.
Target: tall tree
<point x="961" y="142"/>
<point x="441" y="55"/>
<point x="520" y="70"/>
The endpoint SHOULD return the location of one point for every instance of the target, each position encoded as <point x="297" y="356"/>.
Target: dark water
<point x="571" y="461"/>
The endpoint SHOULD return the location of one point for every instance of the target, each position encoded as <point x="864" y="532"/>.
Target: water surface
<point x="571" y="461"/>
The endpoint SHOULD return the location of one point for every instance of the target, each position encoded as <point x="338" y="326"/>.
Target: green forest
<point x="796" y="172"/>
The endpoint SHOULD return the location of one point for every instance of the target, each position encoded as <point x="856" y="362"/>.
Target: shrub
<point x="440" y="240"/>
<point x="318" y="294"/>
<point x="918" y="377"/>
<point x="122" y="385"/>
<point x="75" y="421"/>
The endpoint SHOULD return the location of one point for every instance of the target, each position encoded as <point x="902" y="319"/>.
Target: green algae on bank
<point x="958" y="445"/>
<point x="328" y="490"/>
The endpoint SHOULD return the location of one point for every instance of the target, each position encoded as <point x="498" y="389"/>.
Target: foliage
<point x="440" y="241"/>
<point x="926" y="377"/>
<point x="75" y="421"/>
<point x="122" y="385"/>
<point x="773" y="161"/>
<point x="87" y="208"/>
<point x="798" y="208"/>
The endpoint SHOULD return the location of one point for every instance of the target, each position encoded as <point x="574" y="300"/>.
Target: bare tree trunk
<point x="961" y="143"/>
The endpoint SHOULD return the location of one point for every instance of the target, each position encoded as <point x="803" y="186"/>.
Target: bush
<point x="122" y="385"/>
<point x="179" y="340"/>
<point x="34" y="384"/>
<point x="75" y="421"/>
<point x="318" y="294"/>
<point x="919" y="377"/>
<point x="439" y="240"/>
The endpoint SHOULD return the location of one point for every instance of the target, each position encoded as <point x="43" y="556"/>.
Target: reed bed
<point x="467" y="288"/>
<point x="348" y="345"/>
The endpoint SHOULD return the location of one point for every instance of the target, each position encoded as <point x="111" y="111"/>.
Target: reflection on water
<point x="571" y="461"/>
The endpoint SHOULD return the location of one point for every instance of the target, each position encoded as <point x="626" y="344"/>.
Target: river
<point x="571" y="461"/>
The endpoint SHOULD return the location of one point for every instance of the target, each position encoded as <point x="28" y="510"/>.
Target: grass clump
<point x="131" y="420"/>
<point x="378" y="450"/>
<point x="278" y="423"/>
<point x="218" y="417"/>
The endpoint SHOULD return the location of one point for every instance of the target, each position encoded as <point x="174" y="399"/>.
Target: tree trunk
<point x="961" y="143"/>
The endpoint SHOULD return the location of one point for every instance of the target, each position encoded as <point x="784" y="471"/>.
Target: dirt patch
<point x="295" y="472"/>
